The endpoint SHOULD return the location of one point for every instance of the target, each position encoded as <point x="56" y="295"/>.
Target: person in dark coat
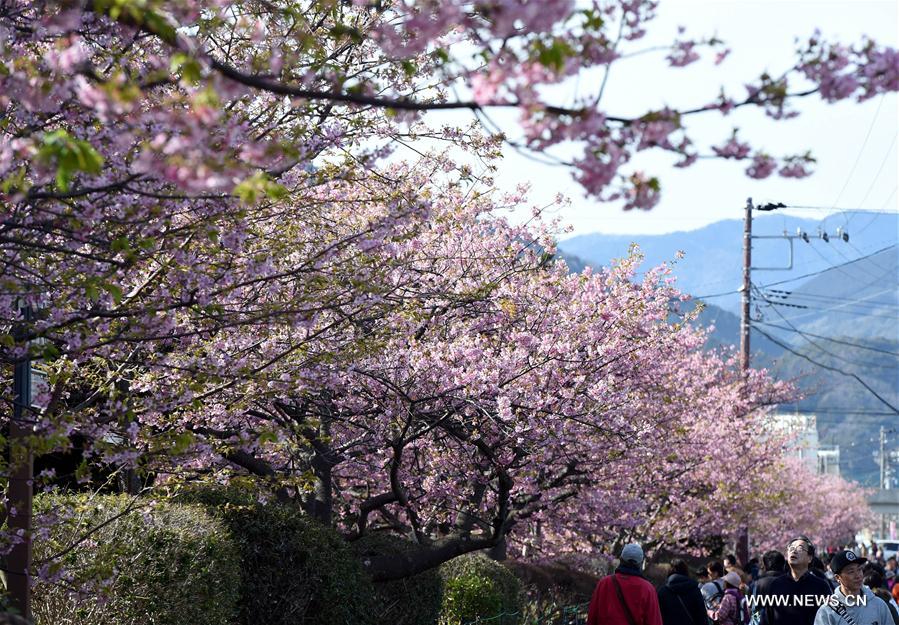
<point x="794" y="587"/>
<point x="775" y="565"/>
<point x="680" y="600"/>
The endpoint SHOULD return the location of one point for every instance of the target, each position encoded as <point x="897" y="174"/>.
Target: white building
<point x="802" y="430"/>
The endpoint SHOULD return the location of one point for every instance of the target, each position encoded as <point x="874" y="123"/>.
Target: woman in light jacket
<point x="733" y="609"/>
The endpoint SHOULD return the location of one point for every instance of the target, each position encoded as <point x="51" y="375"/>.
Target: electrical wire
<point x="823" y="306"/>
<point x="715" y="295"/>
<point x="874" y="218"/>
<point x="840" y="304"/>
<point x="817" y="297"/>
<point x="859" y="306"/>
<point x="832" y="340"/>
<point x="841" y="210"/>
<point x="858" y="251"/>
<point x="827" y="351"/>
<point x="829" y="368"/>
<point x="815" y="273"/>
<point x="837" y="267"/>
<point x="877" y="175"/>
<point x="860" y="152"/>
<point x="839" y="310"/>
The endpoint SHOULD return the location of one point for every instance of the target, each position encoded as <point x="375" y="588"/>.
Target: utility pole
<point x="743" y="536"/>
<point x="742" y="546"/>
<point x="745" y="291"/>
<point x="883" y="474"/>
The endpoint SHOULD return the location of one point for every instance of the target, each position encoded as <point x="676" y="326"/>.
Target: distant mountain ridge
<point x="834" y="315"/>
<point x="713" y="254"/>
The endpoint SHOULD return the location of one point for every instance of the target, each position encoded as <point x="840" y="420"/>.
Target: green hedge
<point x="163" y="564"/>
<point x="412" y="601"/>
<point x="295" y="571"/>
<point x="218" y="557"/>
<point x="476" y="587"/>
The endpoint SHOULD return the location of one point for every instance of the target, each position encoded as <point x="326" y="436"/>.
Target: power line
<point x="874" y="218"/>
<point x="858" y="303"/>
<point x="832" y="340"/>
<point x="838" y="310"/>
<point x="842" y="210"/>
<point x="877" y="175"/>
<point x="827" y="351"/>
<point x="861" y="151"/>
<point x="715" y="295"/>
<point x="872" y="262"/>
<point x="847" y="307"/>
<point x="829" y="368"/>
<point x="817" y="298"/>
<point x="837" y="267"/>
<point x="815" y="273"/>
<point x="803" y="294"/>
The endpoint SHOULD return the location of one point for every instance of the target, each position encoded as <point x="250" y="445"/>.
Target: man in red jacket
<point x="625" y="597"/>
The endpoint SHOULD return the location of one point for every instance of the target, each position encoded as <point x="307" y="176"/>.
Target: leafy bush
<point x="111" y="560"/>
<point x="295" y="571"/>
<point x="474" y="587"/>
<point x="556" y="590"/>
<point x="412" y="601"/>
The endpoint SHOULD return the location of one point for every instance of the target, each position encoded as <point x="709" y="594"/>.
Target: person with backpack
<point x="733" y="609"/>
<point x="625" y="597"/>
<point x="792" y="589"/>
<point x="680" y="599"/>
<point x="713" y="590"/>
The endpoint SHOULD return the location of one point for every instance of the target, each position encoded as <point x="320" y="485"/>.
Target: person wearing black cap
<point x="788" y="603"/>
<point x="852" y="603"/>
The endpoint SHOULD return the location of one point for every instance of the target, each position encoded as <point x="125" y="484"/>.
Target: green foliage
<point x="553" y="54"/>
<point x="257" y="187"/>
<point x="69" y="155"/>
<point x="294" y="570"/>
<point x="412" y="601"/>
<point x="475" y="586"/>
<point x="146" y="564"/>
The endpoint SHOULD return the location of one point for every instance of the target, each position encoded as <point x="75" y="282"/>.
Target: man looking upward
<point x="789" y="605"/>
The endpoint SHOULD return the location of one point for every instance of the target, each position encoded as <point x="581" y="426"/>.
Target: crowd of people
<point x="798" y="587"/>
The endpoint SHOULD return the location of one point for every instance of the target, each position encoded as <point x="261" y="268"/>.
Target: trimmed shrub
<point x="476" y="587"/>
<point x="412" y="601"/>
<point x="114" y="563"/>
<point x="295" y="571"/>
<point x="555" y="590"/>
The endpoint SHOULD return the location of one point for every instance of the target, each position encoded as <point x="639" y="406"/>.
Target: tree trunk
<point x="499" y="551"/>
<point x="318" y="504"/>
<point x="392" y="567"/>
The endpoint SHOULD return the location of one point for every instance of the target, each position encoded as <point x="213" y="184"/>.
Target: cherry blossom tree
<point x="229" y="279"/>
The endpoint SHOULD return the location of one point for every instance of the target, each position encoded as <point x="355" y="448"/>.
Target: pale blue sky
<point x="762" y="36"/>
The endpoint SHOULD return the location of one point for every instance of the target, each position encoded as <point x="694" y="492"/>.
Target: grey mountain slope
<point x="713" y="254"/>
<point x="856" y="305"/>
